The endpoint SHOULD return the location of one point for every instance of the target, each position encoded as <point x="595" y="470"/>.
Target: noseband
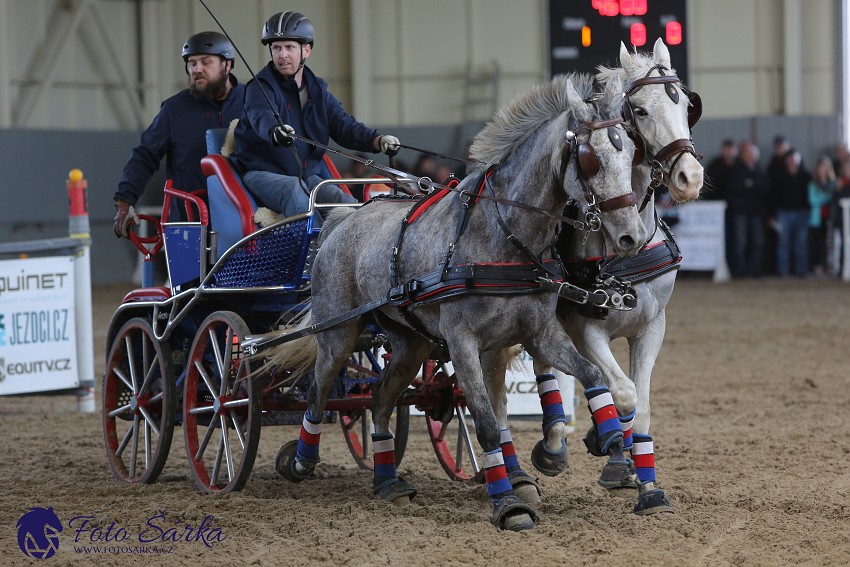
<point x="587" y="165"/>
<point x="675" y="149"/>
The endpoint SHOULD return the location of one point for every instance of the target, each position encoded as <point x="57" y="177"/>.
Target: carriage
<point x="203" y="332"/>
<point x="174" y="357"/>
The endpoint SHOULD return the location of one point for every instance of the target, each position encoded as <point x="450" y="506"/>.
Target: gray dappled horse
<point x="661" y="111"/>
<point x="543" y="149"/>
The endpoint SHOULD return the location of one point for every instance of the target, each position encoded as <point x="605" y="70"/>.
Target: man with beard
<point x="213" y="98"/>
<point x="287" y="98"/>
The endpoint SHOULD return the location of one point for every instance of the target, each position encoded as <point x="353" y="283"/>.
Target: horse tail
<point x="297" y="357"/>
<point x="514" y="359"/>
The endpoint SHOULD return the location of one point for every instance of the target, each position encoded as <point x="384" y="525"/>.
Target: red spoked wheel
<point x="221" y="406"/>
<point x="451" y="430"/>
<point x="357" y="427"/>
<point x="138" y="403"/>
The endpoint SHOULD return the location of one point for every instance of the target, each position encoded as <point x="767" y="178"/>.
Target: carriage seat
<point x="231" y="206"/>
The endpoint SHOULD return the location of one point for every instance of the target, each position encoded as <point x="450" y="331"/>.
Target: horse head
<point x="661" y="111"/>
<point x="596" y="166"/>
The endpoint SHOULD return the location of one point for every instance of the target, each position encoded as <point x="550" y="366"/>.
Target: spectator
<point x="747" y="193"/>
<point x="791" y="204"/>
<point x="821" y="190"/>
<point x="842" y="192"/>
<point x="720" y="170"/>
<point x="276" y="168"/>
<point x="425" y="166"/>
<point x="177" y="133"/>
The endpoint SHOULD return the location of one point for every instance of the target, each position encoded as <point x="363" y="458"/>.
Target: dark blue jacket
<point x="177" y="133"/>
<point x="321" y="118"/>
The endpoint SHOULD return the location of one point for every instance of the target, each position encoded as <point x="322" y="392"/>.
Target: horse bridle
<point x="587" y="165"/>
<point x="675" y="149"/>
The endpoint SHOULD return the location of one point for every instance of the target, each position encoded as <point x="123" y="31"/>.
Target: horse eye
<point x="640" y="111"/>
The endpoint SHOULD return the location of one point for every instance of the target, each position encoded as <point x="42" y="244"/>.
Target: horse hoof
<point x="285" y="463"/>
<point x="396" y="490"/>
<point x="401" y="502"/>
<point x="509" y="513"/>
<point x="619" y="478"/>
<point x="525" y="487"/>
<point x="653" y="502"/>
<point x="549" y="463"/>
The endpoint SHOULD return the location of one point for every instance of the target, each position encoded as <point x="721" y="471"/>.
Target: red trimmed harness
<point x="484" y="278"/>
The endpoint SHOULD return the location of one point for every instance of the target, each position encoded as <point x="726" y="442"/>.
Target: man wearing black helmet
<point x="213" y="98"/>
<point x="275" y="168"/>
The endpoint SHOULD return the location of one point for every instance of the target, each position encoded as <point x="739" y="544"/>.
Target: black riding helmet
<point x="209" y="43"/>
<point x="288" y="25"/>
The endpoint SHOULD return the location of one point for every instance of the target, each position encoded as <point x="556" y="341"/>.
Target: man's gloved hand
<point x="282" y="135"/>
<point x="124" y="219"/>
<point x="389" y="145"/>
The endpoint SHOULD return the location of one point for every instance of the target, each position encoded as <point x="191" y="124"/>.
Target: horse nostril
<point x="683" y="179"/>
<point x="627" y="242"/>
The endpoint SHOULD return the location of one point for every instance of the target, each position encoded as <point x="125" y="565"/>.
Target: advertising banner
<point x="38" y="346"/>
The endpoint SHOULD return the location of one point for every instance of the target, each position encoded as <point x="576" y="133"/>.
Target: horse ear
<point x="576" y="101"/>
<point x="661" y="53"/>
<point x="626" y="59"/>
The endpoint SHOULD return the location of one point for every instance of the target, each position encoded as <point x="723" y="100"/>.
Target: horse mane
<point x="527" y="113"/>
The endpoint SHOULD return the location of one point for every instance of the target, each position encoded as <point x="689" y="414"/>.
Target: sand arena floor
<point x="750" y="405"/>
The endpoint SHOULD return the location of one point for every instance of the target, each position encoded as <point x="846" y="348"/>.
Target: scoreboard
<point x="587" y="33"/>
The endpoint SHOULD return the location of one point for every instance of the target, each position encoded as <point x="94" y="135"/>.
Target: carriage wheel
<point x="138" y="403"/>
<point x="451" y="435"/>
<point x="357" y="427"/>
<point x="221" y="406"/>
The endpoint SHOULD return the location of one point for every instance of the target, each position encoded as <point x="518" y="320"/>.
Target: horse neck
<point x="529" y="181"/>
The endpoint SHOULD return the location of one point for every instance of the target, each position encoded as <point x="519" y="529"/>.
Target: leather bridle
<point x="675" y="149"/>
<point x="587" y="165"/>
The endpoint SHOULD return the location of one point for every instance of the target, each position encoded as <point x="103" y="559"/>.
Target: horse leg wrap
<point x="386" y="483"/>
<point x="626" y="422"/>
<point x="508" y="451"/>
<point x="606" y="423"/>
<point x="550" y="401"/>
<point x="496" y="476"/>
<point x="307" y="452"/>
<point x="643" y="454"/>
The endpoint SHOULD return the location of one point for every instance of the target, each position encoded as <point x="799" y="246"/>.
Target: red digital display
<point x="673" y="33"/>
<point x="637" y="34"/>
<point x="620" y="7"/>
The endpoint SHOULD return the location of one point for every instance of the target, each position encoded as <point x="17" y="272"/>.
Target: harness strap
<point x="253" y="345"/>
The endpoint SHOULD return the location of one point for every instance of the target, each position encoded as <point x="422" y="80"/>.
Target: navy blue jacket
<point x="177" y="133"/>
<point x="321" y="118"/>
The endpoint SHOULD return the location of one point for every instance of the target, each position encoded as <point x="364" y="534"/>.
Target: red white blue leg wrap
<point x="308" y="442"/>
<point x="508" y="451"/>
<point x="626" y="422"/>
<point x="498" y="485"/>
<point x="643" y="454"/>
<point x="550" y="401"/>
<point x="605" y="418"/>
<point x="383" y="445"/>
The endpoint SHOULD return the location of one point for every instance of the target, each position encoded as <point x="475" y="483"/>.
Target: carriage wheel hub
<point x="134" y="403"/>
<point x="217" y="405"/>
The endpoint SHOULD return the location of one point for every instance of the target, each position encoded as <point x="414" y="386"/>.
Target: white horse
<point x="661" y="111"/>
